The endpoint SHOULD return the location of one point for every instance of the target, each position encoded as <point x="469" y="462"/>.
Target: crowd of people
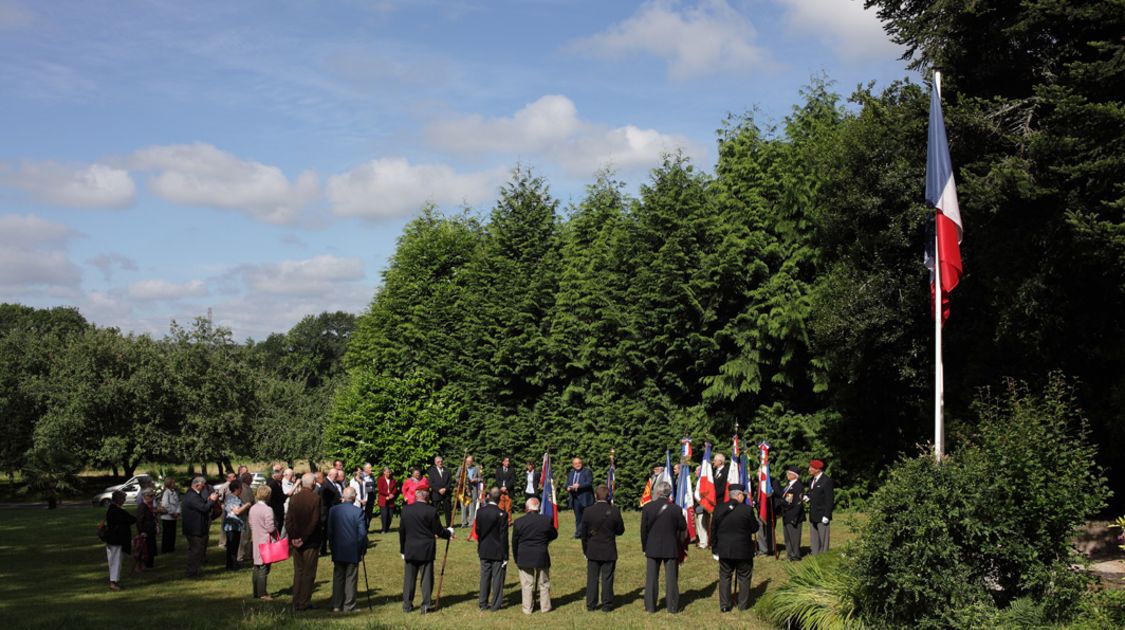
<point x="326" y="513"/>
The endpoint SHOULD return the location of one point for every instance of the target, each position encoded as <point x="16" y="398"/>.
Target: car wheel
<point x="105" y="503"/>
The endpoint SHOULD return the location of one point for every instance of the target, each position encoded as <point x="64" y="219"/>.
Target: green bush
<point x="988" y="525"/>
<point x="816" y="597"/>
<point x="390" y="421"/>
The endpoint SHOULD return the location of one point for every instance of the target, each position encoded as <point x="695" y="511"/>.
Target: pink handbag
<point x="275" y="550"/>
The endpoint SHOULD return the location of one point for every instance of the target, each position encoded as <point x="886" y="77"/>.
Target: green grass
<point x="53" y="575"/>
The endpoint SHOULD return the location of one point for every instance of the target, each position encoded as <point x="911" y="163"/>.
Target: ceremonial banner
<point x="705" y="485"/>
<point x="765" y="484"/>
<point x="547" y="503"/>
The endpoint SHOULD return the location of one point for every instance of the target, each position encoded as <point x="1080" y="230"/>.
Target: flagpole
<point x="939" y="377"/>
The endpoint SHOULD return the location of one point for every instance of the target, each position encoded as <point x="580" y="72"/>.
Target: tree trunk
<point x="227" y="463"/>
<point x="52" y="502"/>
<point x="219" y="467"/>
<point x="203" y="468"/>
<point x="191" y="469"/>
<point x="115" y="471"/>
<point x="312" y="466"/>
<point x="128" y="468"/>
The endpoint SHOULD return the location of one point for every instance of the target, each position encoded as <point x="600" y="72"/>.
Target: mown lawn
<point x="53" y="574"/>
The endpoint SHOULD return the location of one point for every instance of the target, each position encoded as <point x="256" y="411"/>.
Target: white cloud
<point x="550" y="127"/>
<point x="393" y="187"/>
<point x="309" y="277"/>
<point x="29" y="231"/>
<point x="79" y="186"/>
<point x="844" y="26"/>
<point x="32" y="256"/>
<point x="537" y="126"/>
<point x="107" y="262"/>
<point x="164" y="290"/>
<point x="704" y="38"/>
<point x="201" y="175"/>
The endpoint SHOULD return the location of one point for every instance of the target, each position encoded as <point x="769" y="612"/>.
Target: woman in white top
<point x="360" y="488"/>
<point x="169" y="511"/>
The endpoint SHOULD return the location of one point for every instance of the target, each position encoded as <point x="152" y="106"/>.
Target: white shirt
<point x="530" y="488"/>
<point x="360" y="491"/>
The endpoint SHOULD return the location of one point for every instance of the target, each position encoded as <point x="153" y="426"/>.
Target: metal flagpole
<point x="939" y="377"/>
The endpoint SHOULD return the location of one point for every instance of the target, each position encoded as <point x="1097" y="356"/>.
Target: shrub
<point x="989" y="524"/>
<point x="390" y="421"/>
<point x="816" y="597"/>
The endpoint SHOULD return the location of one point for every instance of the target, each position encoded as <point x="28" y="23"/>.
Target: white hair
<point x="349" y="494"/>
<point x="532" y="505"/>
<point x="308" y="480"/>
<point x="662" y="490"/>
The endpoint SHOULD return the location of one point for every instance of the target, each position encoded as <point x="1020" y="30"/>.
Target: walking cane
<point x="449" y="523"/>
<point x="363" y="560"/>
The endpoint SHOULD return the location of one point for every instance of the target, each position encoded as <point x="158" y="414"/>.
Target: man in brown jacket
<point x="302" y="522"/>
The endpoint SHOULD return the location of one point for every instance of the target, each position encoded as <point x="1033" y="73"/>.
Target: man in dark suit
<point x="302" y="521"/>
<point x="732" y="540"/>
<point x="347" y="529"/>
<point x="418" y="528"/>
<point x="580" y="487"/>
<point x="441" y="480"/>
<point x="531" y="536"/>
<point x="720" y="472"/>
<point x="277" y="495"/>
<point x="601" y="525"/>
<point x="195" y="511"/>
<point x="505" y="475"/>
<point x="662" y="525"/>
<point x="821" y="501"/>
<point x="792" y="511"/>
<point x="330" y="494"/>
<point x="492" y="549"/>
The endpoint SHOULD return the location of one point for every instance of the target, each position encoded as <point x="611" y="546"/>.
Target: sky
<point x="260" y="158"/>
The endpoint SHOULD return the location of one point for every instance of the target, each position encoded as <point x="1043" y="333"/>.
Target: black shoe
<point x="724" y="610"/>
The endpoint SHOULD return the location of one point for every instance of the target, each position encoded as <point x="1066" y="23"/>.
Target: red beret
<point x="817" y="464"/>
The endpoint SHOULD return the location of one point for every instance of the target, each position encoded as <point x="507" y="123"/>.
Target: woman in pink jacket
<point x="414" y="483"/>
<point x="262" y="528"/>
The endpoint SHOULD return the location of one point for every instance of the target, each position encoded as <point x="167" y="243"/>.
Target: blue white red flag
<point x="705" y="485"/>
<point x="548" y="505"/>
<point x="941" y="194"/>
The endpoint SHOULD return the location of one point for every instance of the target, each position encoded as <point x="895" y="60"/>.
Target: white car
<point x="131" y="488"/>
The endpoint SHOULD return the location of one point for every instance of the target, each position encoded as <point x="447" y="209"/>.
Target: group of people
<point x="324" y="513"/>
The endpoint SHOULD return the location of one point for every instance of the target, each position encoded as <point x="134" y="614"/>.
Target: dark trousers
<point x="368" y="510"/>
<point x="577" y="519"/>
<point x="233" y="540"/>
<point x="385" y="514"/>
<point x="345" y="583"/>
<point x="742" y="569"/>
<point x="304" y="575"/>
<point x="671" y="583"/>
<point x="196" y="550"/>
<point x="410" y="578"/>
<point x="258" y="579"/>
<point x="793" y="540"/>
<point x="168" y="536"/>
<point x="491" y="584"/>
<point x="150" y="547"/>
<point x="599" y="572"/>
<point x="324" y="536"/>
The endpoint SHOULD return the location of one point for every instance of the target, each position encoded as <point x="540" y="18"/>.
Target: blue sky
<point x="261" y="158"/>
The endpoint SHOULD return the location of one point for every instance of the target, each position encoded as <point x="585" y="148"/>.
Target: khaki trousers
<point x="529" y="578"/>
<point x="304" y="575"/>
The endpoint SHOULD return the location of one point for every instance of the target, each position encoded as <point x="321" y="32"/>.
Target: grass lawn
<point x="53" y="574"/>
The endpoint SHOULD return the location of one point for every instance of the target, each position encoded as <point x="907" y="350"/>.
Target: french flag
<point x="705" y="485"/>
<point x="941" y="194"/>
